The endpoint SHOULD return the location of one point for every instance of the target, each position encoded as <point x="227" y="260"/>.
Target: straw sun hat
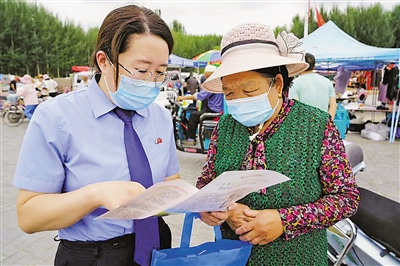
<point x="253" y="46"/>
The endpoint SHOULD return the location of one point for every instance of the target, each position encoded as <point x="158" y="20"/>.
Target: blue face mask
<point x="251" y="111"/>
<point x="132" y="97"/>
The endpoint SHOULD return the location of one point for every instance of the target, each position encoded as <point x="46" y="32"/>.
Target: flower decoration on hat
<point x="288" y="44"/>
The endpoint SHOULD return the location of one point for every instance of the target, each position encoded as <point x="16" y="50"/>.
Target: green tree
<point x="394" y="25"/>
<point x="278" y="29"/>
<point x="158" y="12"/>
<point x="370" y="25"/>
<point x="178" y="27"/>
<point x="33" y="40"/>
<point x="298" y="26"/>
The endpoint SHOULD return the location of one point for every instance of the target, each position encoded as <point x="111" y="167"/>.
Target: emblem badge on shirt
<point x="158" y="141"/>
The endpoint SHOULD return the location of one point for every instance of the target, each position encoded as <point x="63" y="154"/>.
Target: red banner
<point x="320" y="19"/>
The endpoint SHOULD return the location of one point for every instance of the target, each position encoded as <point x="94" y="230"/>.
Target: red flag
<point x="320" y="19"/>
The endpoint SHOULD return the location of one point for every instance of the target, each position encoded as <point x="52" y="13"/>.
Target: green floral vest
<point x="295" y="151"/>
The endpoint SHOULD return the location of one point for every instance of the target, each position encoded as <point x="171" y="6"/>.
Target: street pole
<point x="307" y="17"/>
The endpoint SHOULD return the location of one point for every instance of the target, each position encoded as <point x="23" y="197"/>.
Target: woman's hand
<point x="217" y="218"/>
<point x="112" y="194"/>
<point x="237" y="217"/>
<point x="264" y="228"/>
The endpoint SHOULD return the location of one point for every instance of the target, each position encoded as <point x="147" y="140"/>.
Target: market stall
<point x="333" y="48"/>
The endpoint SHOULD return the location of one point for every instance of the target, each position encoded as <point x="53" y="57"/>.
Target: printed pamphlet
<point x="179" y="196"/>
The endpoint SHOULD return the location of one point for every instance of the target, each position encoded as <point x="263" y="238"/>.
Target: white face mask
<point x="252" y="111"/>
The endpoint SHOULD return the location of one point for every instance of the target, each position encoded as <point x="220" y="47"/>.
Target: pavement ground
<point x="19" y="248"/>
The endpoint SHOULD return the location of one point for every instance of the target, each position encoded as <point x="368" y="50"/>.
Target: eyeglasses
<point x="141" y="77"/>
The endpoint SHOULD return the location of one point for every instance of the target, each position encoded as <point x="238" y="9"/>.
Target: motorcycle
<point x="372" y="235"/>
<point x="180" y="112"/>
<point x="13" y="114"/>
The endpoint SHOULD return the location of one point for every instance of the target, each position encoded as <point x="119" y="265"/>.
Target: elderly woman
<point x="265" y="130"/>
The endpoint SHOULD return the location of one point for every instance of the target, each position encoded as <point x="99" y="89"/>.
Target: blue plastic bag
<point x="220" y="252"/>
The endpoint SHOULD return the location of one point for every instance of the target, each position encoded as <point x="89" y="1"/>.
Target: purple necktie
<point x="146" y="230"/>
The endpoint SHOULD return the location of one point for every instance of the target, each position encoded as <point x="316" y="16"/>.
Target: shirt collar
<point x="99" y="101"/>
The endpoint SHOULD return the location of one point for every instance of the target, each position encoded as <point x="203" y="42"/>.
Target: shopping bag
<point x="221" y="252"/>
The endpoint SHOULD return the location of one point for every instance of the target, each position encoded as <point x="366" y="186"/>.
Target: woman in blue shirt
<point x="73" y="164"/>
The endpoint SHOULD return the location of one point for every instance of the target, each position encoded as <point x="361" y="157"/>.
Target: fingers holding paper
<point x="112" y="194"/>
<point x="217" y="218"/>
<point x="264" y="228"/>
<point x="237" y="217"/>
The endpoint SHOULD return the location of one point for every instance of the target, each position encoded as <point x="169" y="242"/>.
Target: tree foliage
<point x="33" y="40"/>
<point x="178" y="27"/>
<point x="188" y="46"/>
<point x="371" y="25"/>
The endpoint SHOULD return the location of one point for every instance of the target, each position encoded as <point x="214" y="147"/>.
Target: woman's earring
<point x="279" y="95"/>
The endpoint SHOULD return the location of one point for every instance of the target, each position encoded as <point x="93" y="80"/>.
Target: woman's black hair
<point x="310" y="59"/>
<point x="273" y="71"/>
<point x="118" y="27"/>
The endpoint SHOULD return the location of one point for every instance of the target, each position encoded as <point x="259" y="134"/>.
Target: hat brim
<point x="248" y="62"/>
<point x="26" y="80"/>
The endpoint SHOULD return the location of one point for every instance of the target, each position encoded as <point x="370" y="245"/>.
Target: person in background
<point x="30" y="95"/>
<point x="178" y="85"/>
<point x="84" y="82"/>
<point x="192" y="84"/>
<point x="313" y="89"/>
<point x="12" y="99"/>
<point x="211" y="103"/>
<point x="391" y="79"/>
<point x="13" y="85"/>
<point x="39" y="82"/>
<point x="67" y="89"/>
<point x="68" y="174"/>
<point x="50" y="85"/>
<point x="42" y="93"/>
<point x="263" y="129"/>
<point x="208" y="70"/>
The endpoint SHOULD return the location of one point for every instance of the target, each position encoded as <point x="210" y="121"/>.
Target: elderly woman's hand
<point x="264" y="228"/>
<point x="217" y="218"/>
<point x="237" y="217"/>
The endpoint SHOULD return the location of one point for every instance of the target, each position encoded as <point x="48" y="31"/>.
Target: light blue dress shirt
<point x="75" y="139"/>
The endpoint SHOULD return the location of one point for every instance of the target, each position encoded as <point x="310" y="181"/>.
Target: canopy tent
<point x="180" y="62"/>
<point x="332" y="48"/>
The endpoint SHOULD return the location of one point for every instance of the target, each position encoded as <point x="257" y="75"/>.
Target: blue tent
<point x="332" y="48"/>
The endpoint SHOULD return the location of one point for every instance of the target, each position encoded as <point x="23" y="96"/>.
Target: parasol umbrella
<point x="211" y="57"/>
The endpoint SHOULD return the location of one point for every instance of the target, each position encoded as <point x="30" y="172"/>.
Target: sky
<point x="199" y="17"/>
